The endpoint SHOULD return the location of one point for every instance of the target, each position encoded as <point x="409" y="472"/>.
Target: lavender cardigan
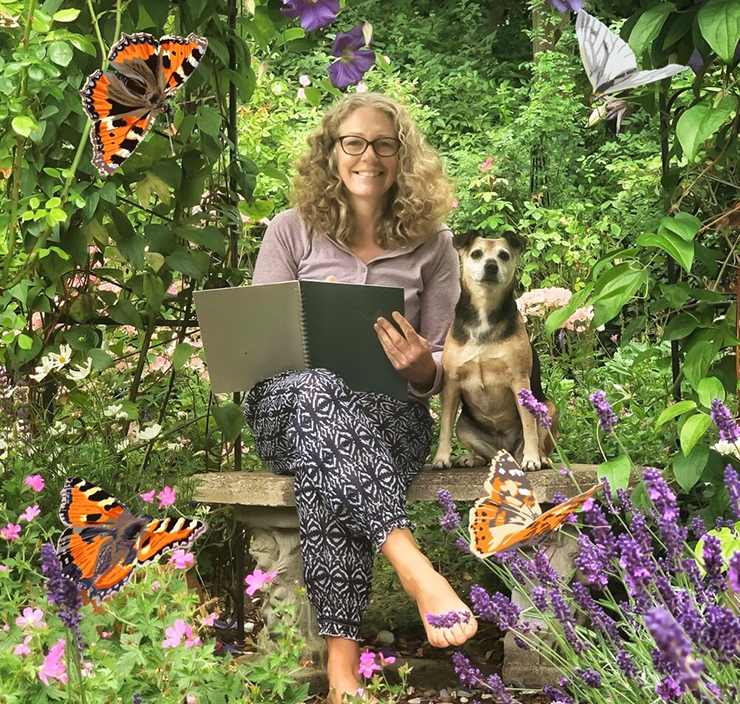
<point x="427" y="271"/>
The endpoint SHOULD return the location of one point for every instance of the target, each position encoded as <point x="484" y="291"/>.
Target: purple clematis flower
<point x="353" y="64"/>
<point x="565" y="5"/>
<point x="314" y="14"/>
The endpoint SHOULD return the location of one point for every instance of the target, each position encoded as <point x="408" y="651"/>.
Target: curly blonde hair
<point x="420" y="197"/>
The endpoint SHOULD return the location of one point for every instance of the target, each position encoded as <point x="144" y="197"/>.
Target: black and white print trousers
<point x="353" y="456"/>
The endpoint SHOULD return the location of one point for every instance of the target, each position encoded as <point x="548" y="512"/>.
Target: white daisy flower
<point x="62" y="358"/>
<point x="80" y="371"/>
<point x="149" y="433"/>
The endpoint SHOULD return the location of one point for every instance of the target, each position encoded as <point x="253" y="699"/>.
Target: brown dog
<point x="487" y="360"/>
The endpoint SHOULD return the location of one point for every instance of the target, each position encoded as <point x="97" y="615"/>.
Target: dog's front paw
<point x="531" y="463"/>
<point x="441" y="461"/>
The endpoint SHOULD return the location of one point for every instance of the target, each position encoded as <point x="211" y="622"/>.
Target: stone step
<point x="264" y="488"/>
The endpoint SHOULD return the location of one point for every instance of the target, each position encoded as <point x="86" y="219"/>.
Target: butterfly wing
<point x="84" y="504"/>
<point x="642" y="78"/>
<point x="136" y="56"/>
<point x="605" y="56"/>
<point x="509" y="506"/>
<point x="160" y="536"/>
<point x="180" y="56"/>
<point x="547" y="523"/>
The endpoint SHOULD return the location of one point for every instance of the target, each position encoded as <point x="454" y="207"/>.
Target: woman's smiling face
<point x="367" y="175"/>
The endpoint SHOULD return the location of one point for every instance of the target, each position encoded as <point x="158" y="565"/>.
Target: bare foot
<point x="434" y="594"/>
<point x="340" y="688"/>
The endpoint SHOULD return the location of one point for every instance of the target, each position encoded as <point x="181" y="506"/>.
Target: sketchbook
<point x="251" y="333"/>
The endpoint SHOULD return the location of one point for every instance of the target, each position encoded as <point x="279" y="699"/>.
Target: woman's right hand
<point x="331" y="278"/>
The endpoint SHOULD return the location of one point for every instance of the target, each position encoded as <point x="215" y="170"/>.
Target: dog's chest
<point x="478" y="367"/>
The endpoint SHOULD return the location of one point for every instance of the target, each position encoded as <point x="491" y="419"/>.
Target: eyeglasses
<point x="382" y="146"/>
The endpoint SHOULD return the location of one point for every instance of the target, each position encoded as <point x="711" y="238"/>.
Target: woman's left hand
<point x="409" y="352"/>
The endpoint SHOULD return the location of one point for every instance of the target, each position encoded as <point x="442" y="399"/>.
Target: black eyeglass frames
<point x="352" y="145"/>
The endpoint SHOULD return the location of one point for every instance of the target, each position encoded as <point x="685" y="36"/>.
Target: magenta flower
<point x="209" y="620"/>
<point x="368" y="664"/>
<point x="148" y="496"/>
<point x="386" y="660"/>
<point x="11" y="532"/>
<point x="30" y="513"/>
<point x="176" y="633"/>
<point x="22" y="649"/>
<point x="314" y="14"/>
<point x="182" y="560"/>
<point x="258" y="579"/>
<point x="353" y="64"/>
<point x="4" y="568"/>
<point x="54" y="666"/>
<point x="166" y="497"/>
<point x="32" y="618"/>
<point x="35" y="481"/>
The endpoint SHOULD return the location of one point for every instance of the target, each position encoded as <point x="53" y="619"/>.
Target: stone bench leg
<point x="276" y="546"/>
<point x="526" y="668"/>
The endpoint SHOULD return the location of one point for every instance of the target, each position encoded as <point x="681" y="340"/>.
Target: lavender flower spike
<point x="448" y="620"/>
<point x="607" y="419"/>
<point x="451" y="518"/>
<point x="62" y="591"/>
<point x="536" y="408"/>
<point x="732" y="483"/>
<point x="721" y="417"/>
<point x="674" y="648"/>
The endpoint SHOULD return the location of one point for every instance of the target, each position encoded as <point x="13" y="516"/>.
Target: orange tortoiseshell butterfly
<point x="123" y="107"/>
<point x="104" y="541"/>
<point x="510" y="517"/>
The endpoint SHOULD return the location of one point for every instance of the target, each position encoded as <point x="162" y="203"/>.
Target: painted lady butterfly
<point x="104" y="541"/>
<point x="510" y="517"/>
<point x="122" y="108"/>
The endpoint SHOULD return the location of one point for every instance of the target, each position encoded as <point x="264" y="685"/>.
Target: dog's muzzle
<point x="490" y="272"/>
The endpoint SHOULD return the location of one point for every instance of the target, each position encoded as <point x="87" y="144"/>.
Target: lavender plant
<point x="663" y="618"/>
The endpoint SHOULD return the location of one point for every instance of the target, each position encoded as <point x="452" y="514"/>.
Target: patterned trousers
<point x="353" y="456"/>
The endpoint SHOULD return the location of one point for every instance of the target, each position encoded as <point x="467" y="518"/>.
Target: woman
<point x="368" y="197"/>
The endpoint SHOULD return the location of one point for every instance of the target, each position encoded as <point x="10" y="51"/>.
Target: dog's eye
<point x="476" y="254"/>
<point x="504" y="256"/>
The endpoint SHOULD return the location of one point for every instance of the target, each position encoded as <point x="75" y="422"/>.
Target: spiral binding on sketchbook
<point x="304" y="329"/>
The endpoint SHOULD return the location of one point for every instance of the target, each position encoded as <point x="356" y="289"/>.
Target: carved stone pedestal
<point x="526" y="668"/>
<point x="276" y="546"/>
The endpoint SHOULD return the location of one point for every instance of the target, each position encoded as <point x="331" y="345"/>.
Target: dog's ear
<point x="516" y="241"/>
<point x="465" y="239"/>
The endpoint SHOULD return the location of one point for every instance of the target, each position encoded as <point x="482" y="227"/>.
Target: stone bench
<point x="266" y="503"/>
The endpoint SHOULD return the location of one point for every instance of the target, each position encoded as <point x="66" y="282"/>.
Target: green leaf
<point x="210" y="237"/>
<point x="153" y="291"/>
<point x="183" y="353"/>
<point x="60" y="53"/>
<point x="710" y="388"/>
<point x="698" y="360"/>
<point x="208" y="120"/>
<point x="124" y="312"/>
<point x="556" y="319"/>
<point x="230" y="420"/>
<point x="616" y="471"/>
<point x="615" y="291"/>
<point x="681" y="250"/>
<point x="674" y="411"/>
<point x="276" y="173"/>
<point x="693" y="430"/>
<point x="313" y="95"/>
<point x="683" y="224"/>
<point x="700" y="122"/>
<point x="680" y="326"/>
<point x="193" y="264"/>
<point x="100" y="358"/>
<point x="66" y="15"/>
<point x="648" y="27"/>
<point x="688" y="468"/>
<point x="24" y="125"/>
<point x="132" y="250"/>
<point x="25" y="342"/>
<point x="719" y="21"/>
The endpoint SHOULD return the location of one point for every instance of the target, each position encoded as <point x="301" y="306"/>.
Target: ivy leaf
<point x="719" y="21"/>
<point x="697" y="124"/>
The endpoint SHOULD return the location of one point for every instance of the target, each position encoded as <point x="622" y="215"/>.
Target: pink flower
<point x="35" y="481"/>
<point x="106" y="634"/>
<point x="258" y="579"/>
<point x="304" y="80"/>
<point x="209" y="620"/>
<point x="22" y="649"/>
<point x="148" y="496"/>
<point x="54" y="665"/>
<point x="177" y="632"/>
<point x="166" y="497"/>
<point x="486" y="164"/>
<point x="301" y="93"/>
<point x="6" y="627"/>
<point x="182" y="560"/>
<point x="156" y="586"/>
<point x="4" y="568"/>
<point x="368" y="664"/>
<point x="11" y="532"/>
<point x="455" y="203"/>
<point x="30" y="513"/>
<point x="190" y="699"/>
<point x="389" y="660"/>
<point x="32" y="618"/>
